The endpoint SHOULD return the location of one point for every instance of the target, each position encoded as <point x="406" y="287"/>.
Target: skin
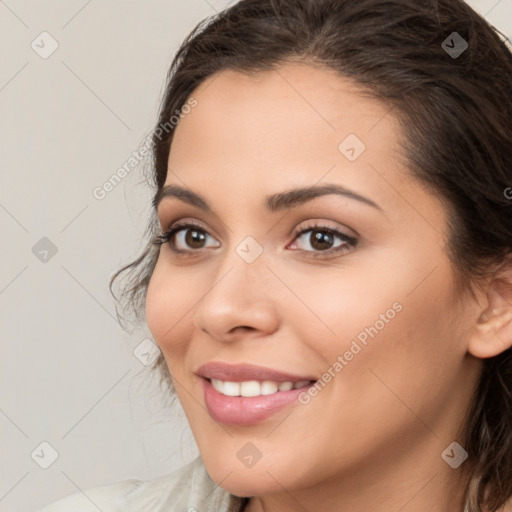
<point x="372" y="438"/>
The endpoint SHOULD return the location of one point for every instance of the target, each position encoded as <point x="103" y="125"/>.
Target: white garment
<point x="189" y="489"/>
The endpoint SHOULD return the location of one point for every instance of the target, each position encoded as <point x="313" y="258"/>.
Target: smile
<point x="252" y="388"/>
<point x="237" y="409"/>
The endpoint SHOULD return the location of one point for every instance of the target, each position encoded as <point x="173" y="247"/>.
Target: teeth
<point x="250" y="388"/>
<point x="231" y="388"/>
<point x="218" y="385"/>
<point x="255" y="388"/>
<point x="285" y="386"/>
<point x="268" y="387"/>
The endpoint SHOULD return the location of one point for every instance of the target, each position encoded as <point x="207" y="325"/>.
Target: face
<point x="352" y="289"/>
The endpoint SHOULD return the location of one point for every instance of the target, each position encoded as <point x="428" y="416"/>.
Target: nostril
<point x="245" y="327"/>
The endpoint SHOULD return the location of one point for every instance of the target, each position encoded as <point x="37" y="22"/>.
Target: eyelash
<point x="349" y="241"/>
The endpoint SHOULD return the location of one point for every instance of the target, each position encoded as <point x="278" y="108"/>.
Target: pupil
<point x="194" y="238"/>
<point x="320" y="240"/>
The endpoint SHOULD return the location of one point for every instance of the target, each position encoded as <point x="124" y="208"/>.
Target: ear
<point x="493" y="330"/>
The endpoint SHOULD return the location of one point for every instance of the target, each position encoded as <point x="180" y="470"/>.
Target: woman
<point x="329" y="271"/>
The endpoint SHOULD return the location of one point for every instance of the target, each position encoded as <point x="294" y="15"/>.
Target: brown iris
<point x="195" y="238"/>
<point x="321" y="240"/>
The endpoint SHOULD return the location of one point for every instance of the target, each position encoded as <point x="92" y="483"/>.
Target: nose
<point x="239" y="302"/>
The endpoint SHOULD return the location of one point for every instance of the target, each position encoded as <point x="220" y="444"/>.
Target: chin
<point x="242" y="481"/>
<point x="247" y="487"/>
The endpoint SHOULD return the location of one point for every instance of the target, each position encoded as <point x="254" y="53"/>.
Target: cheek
<point x="336" y="305"/>
<point x="386" y="317"/>
<point x="416" y="356"/>
<point x="168" y="302"/>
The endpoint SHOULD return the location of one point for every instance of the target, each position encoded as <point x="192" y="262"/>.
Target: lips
<point x="227" y="406"/>
<point x="246" y="372"/>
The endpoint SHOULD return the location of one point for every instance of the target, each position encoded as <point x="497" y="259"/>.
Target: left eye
<point x="322" y="239"/>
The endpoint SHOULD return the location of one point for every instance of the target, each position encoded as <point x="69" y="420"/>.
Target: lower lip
<point x="241" y="410"/>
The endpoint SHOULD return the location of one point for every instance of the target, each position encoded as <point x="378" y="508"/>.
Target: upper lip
<point x="245" y="372"/>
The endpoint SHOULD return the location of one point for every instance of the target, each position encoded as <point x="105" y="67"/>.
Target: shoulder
<point x="188" y="489"/>
<point x="105" y="497"/>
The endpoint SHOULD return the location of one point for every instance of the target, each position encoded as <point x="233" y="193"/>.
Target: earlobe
<point x="493" y="330"/>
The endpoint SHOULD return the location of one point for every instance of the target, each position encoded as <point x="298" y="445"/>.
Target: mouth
<point x="242" y="410"/>
<point x="245" y="394"/>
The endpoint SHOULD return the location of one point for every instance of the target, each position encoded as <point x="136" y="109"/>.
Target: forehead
<point x="278" y="109"/>
<point x="254" y="134"/>
<point x="295" y="108"/>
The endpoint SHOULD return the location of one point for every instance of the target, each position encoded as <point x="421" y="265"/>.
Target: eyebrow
<point x="273" y="203"/>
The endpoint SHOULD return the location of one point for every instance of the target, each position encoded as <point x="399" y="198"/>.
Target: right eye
<point x="185" y="238"/>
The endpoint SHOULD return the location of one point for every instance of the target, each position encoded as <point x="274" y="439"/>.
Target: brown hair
<point x="456" y="115"/>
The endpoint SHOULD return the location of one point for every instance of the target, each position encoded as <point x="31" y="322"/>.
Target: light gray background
<point x="68" y="373"/>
